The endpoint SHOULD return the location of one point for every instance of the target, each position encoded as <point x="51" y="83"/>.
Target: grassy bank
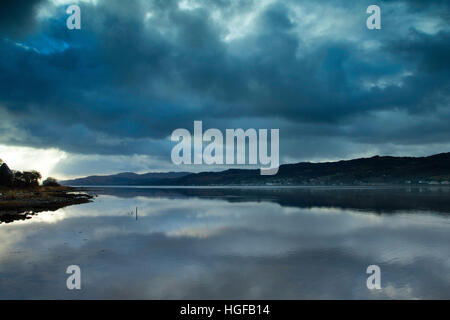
<point x="21" y="203"/>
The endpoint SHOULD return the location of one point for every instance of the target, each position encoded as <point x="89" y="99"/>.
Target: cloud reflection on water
<point x="208" y="247"/>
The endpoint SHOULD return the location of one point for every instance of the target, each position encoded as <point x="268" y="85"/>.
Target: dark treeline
<point x="22" y="179"/>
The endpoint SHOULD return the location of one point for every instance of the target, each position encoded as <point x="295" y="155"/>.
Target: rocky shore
<point x="22" y="203"/>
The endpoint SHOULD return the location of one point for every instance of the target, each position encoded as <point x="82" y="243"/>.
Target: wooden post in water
<point x="136" y="214"/>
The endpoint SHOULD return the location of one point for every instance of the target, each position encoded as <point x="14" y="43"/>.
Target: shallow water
<point x="234" y="243"/>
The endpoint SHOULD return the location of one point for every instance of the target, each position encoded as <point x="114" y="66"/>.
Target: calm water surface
<point x="234" y="243"/>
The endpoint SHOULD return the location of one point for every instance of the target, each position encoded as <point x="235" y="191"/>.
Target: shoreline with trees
<point x="21" y="194"/>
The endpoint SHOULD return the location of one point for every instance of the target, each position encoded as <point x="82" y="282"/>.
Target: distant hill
<point x="124" y="179"/>
<point x="376" y="170"/>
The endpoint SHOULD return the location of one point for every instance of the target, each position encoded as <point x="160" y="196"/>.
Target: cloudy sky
<point x="106" y="98"/>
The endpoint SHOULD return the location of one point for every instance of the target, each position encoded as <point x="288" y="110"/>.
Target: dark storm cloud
<point x="17" y="16"/>
<point x="129" y="78"/>
<point x="429" y="52"/>
<point x="421" y="5"/>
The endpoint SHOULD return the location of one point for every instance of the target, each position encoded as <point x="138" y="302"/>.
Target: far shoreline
<point x="348" y="186"/>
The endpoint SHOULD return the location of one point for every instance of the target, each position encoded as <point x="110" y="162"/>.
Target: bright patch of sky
<point x="27" y="158"/>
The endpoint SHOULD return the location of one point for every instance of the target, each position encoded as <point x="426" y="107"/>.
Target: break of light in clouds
<point x="24" y="158"/>
<point x="105" y="98"/>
